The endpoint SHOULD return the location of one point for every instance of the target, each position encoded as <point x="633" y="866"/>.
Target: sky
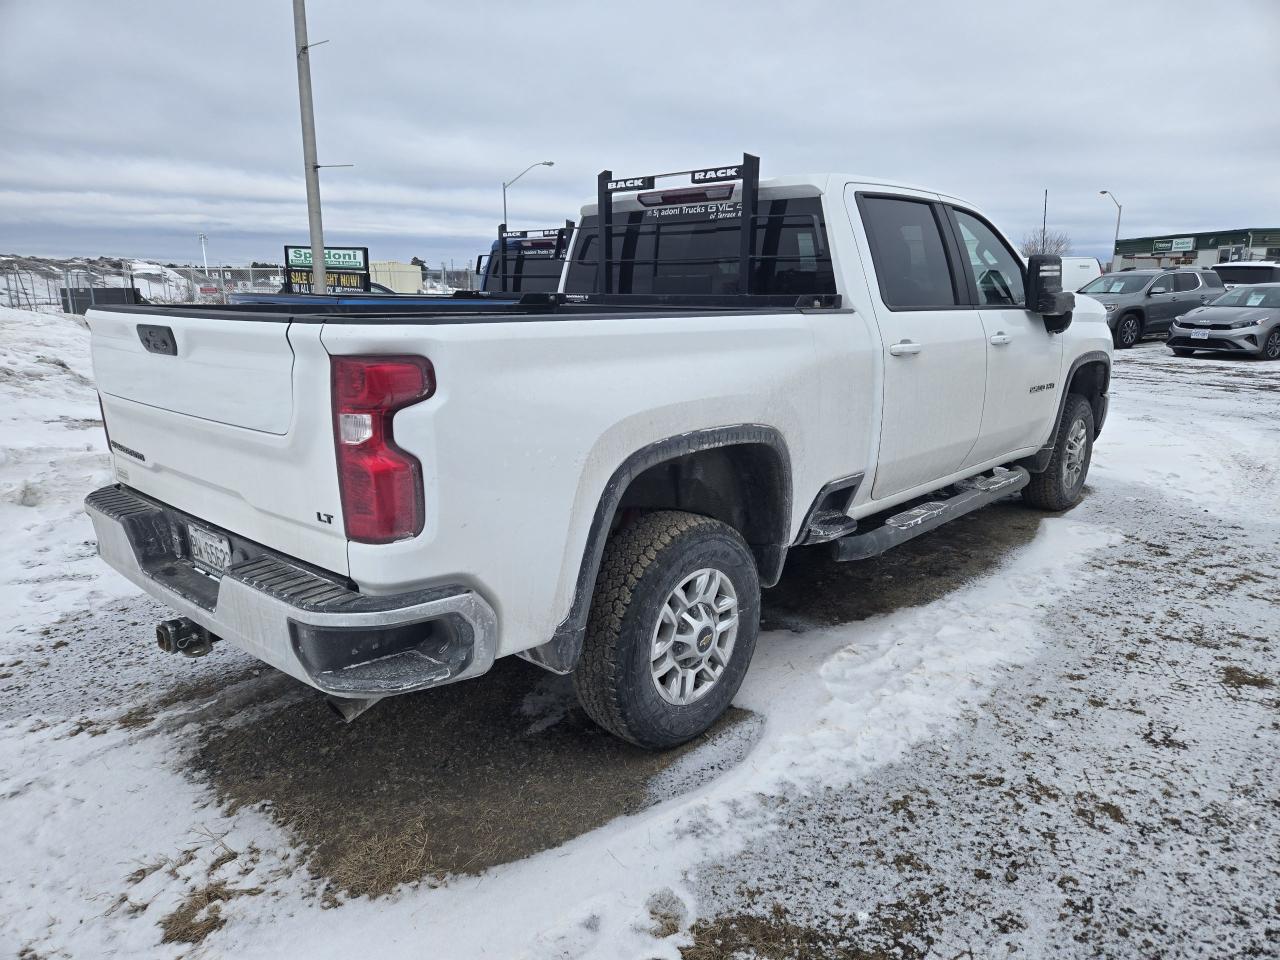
<point x="128" y="128"/>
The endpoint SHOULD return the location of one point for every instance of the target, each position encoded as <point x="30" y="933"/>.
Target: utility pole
<point x="311" y="165"/>
<point x="204" y="253"/>
<point x="1044" y="224"/>
<point x="1115" y="247"/>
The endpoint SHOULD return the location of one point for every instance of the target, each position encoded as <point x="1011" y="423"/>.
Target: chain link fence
<point x="74" y="285"/>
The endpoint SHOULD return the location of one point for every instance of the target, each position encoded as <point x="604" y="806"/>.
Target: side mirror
<point x="1045" y="295"/>
<point x="1157" y="289"/>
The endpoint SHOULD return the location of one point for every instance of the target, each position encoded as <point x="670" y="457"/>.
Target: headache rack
<point x="747" y="172"/>
<point x="561" y="236"/>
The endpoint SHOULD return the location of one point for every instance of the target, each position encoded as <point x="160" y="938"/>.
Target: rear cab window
<point x="694" y="248"/>
<point x="533" y="265"/>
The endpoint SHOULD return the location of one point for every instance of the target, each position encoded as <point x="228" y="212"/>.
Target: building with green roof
<point x="1198" y="249"/>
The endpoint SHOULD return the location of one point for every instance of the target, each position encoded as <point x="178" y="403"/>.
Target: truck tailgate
<point x="228" y="420"/>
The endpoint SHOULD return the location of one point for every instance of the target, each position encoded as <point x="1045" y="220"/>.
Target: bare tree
<point x="1056" y="242"/>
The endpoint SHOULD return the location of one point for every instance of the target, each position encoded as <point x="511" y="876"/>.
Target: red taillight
<point x="381" y="485"/>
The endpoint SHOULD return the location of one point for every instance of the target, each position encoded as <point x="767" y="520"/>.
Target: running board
<point x="974" y="493"/>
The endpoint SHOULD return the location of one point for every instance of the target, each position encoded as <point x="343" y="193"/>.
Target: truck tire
<point x="1061" y="484"/>
<point x="671" y="630"/>
<point x="1128" y="331"/>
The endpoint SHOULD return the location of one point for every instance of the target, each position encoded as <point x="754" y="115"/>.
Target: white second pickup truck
<point x="379" y="500"/>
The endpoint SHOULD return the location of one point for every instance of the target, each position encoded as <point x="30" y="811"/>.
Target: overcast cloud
<point x="128" y="127"/>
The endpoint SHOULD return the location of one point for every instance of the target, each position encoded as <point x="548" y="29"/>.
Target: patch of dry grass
<point x="1237" y="678"/>
<point x="895" y="934"/>
<point x="200" y="914"/>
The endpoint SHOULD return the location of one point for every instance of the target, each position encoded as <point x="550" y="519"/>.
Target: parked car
<point x="599" y="482"/>
<point x="1143" y="302"/>
<point x="1248" y="271"/>
<point x="1244" y="320"/>
<point x="1078" y="271"/>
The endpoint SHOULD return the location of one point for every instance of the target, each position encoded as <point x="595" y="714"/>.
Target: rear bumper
<point x="309" y="624"/>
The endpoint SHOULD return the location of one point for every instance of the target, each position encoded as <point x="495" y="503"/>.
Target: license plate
<point x="210" y="551"/>
<point x="1199" y="334"/>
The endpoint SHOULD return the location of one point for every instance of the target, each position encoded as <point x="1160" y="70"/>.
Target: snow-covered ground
<point x="1055" y="734"/>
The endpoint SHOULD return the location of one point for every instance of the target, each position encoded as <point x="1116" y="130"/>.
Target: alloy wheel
<point x="693" y="639"/>
<point x="1129" y="331"/>
<point x="1073" y="457"/>
<point x="1271" y="348"/>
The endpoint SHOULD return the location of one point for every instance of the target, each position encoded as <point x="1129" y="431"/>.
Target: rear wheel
<point x="1061" y="484"/>
<point x="1183" y="352"/>
<point x="672" y="628"/>
<point x="1271" y="346"/>
<point x="1128" y="331"/>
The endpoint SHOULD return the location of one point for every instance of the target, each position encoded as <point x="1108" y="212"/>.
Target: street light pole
<point x="204" y="253"/>
<point x="310" y="164"/>
<point x="1115" y="247"/>
<point x="540" y="163"/>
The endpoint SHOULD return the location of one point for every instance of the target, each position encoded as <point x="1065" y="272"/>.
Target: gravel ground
<point x="1117" y="795"/>
<point x="947" y="751"/>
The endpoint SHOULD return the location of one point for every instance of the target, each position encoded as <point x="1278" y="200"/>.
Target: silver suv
<point x="1142" y="302"/>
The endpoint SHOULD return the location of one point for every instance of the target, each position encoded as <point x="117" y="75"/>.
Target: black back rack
<point x="561" y="235"/>
<point x="747" y="171"/>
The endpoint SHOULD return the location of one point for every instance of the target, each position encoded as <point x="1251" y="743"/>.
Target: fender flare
<point x="1038" y="462"/>
<point x="560" y="653"/>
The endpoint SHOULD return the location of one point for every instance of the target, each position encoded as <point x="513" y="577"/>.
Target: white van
<point x="1077" y="271"/>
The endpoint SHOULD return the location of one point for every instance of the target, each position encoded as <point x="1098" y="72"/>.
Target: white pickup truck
<point x="379" y="500"/>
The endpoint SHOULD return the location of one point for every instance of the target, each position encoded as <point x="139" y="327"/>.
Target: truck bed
<point x="529" y="307"/>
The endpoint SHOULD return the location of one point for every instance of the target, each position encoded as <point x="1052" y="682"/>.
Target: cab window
<point x="908" y="251"/>
<point x="996" y="270"/>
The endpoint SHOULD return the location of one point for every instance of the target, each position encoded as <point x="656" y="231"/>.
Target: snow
<point x="52" y="452"/>
<point x="89" y="799"/>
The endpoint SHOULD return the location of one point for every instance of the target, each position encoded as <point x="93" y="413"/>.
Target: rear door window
<point x="910" y="257"/>
<point x="694" y="249"/>
<point x="1183" y="282"/>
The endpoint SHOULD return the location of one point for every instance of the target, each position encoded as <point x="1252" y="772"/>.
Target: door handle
<point x="1000" y="338"/>
<point x="905" y="348"/>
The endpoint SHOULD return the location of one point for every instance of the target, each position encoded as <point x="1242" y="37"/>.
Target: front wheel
<point x="672" y="628"/>
<point x="1127" y="332"/>
<point x="1061" y="484"/>
<point x="1271" y="346"/>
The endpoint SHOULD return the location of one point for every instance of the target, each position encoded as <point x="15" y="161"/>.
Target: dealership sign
<point x="346" y="269"/>
<point x="1179" y="244"/>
